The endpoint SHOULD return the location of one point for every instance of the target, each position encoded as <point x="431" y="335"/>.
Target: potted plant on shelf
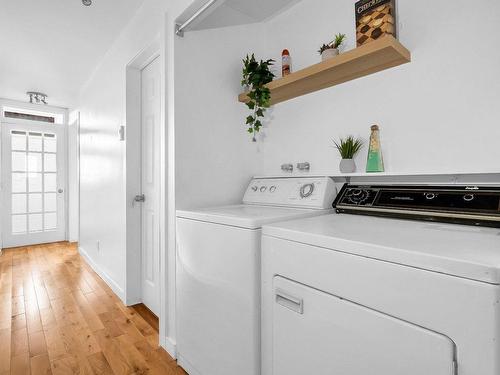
<point x="332" y="49"/>
<point x="348" y="148"/>
<point x="256" y="74"/>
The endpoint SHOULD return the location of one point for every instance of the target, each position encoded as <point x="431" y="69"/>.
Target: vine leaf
<point x="256" y="74"/>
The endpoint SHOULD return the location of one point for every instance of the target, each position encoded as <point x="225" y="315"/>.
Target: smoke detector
<point x="87" y="3"/>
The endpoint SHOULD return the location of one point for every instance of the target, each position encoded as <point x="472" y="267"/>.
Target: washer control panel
<point x="316" y="193"/>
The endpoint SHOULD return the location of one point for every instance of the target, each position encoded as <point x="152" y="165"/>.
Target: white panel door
<point x="33" y="183"/>
<point x="151" y="109"/>
<point x="317" y="333"/>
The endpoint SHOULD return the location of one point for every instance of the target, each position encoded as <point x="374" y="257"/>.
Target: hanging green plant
<point x="256" y="74"/>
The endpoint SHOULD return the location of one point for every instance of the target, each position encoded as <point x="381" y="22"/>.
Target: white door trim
<point x="39" y="108"/>
<point x="133" y="171"/>
<point x="61" y="130"/>
<point x="167" y="181"/>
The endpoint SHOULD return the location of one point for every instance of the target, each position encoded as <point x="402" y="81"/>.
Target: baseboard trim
<point x="188" y="367"/>
<point x="169" y="345"/>
<point x="107" y="279"/>
<point x="133" y="301"/>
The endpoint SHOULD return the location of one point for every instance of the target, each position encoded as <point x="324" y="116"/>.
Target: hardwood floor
<point x="58" y="317"/>
<point x="147" y="315"/>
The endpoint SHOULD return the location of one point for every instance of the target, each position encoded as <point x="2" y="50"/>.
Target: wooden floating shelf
<point x="371" y="58"/>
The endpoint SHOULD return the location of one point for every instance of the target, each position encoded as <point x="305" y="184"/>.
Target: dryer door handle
<point x="292" y="303"/>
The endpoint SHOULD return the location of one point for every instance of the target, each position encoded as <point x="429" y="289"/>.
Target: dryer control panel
<point x="315" y="193"/>
<point x="474" y="205"/>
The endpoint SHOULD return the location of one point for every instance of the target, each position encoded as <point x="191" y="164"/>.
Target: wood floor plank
<point x="19" y="342"/>
<point x="56" y="347"/>
<point x="57" y="316"/>
<point x="37" y="343"/>
<point x="99" y="364"/>
<point x="18" y="322"/>
<point x="5" y="349"/>
<point x="40" y="365"/>
<point x="111" y="351"/>
<point x="20" y="364"/>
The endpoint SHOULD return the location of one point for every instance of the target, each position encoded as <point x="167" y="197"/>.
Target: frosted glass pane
<point x="34" y="162"/>
<point x="19" y="203"/>
<point x="35" y="182"/>
<point x="50" y="221"/>
<point x="50" y="202"/>
<point x="50" y="181"/>
<point x="18" y="224"/>
<point x="35" y="223"/>
<point x="50" y="163"/>
<point x="50" y="143"/>
<point x="35" y="202"/>
<point x="19" y="182"/>
<point x="35" y="142"/>
<point x="19" y="161"/>
<point x="18" y="142"/>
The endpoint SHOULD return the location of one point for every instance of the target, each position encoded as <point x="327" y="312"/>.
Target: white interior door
<point x="151" y="110"/>
<point x="33" y="183"/>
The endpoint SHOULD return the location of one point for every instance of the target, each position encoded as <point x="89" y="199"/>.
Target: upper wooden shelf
<point x="371" y="58"/>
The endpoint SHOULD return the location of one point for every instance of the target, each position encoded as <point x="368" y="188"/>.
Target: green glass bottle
<point x="375" y="162"/>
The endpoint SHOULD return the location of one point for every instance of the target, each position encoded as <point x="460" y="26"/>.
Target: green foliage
<point x="337" y="42"/>
<point x="256" y="74"/>
<point x="349" y="147"/>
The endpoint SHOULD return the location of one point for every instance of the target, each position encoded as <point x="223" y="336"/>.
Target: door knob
<point x="60" y="191"/>
<point x="140" y="198"/>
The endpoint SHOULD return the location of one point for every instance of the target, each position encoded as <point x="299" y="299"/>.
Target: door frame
<point x="9" y="103"/>
<point x="43" y="127"/>
<point x="133" y="159"/>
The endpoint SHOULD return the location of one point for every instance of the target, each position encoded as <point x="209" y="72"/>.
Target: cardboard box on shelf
<point x="375" y="19"/>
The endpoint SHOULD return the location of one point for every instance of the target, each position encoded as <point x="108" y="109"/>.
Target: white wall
<point x="215" y="157"/>
<point x="102" y="105"/>
<point x="437" y="114"/>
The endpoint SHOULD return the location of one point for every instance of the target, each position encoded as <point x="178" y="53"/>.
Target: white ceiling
<point x="54" y="45"/>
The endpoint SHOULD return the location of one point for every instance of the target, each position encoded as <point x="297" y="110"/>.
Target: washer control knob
<point x="255" y="188"/>
<point x="263" y="189"/>
<point x="430" y="196"/>
<point x="272" y="189"/>
<point x="306" y="190"/>
<point x="469" y="197"/>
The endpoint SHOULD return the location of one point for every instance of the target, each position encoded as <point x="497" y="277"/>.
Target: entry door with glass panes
<point x="33" y="184"/>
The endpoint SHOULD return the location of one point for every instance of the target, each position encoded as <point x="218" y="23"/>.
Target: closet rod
<point x="179" y="28"/>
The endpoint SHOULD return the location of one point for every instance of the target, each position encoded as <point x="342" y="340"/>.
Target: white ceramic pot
<point x="347" y="166"/>
<point x="329" y="53"/>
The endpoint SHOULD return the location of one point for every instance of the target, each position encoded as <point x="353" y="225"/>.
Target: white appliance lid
<point x="458" y="250"/>
<point x="248" y="216"/>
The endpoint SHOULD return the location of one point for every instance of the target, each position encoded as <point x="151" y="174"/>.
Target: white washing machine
<point x="355" y="295"/>
<point x="218" y="272"/>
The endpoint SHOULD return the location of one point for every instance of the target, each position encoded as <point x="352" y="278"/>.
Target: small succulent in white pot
<point x="332" y="49"/>
<point x="348" y="148"/>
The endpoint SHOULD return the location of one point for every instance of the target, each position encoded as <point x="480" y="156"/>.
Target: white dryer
<point x="355" y="295"/>
<point x="218" y="272"/>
